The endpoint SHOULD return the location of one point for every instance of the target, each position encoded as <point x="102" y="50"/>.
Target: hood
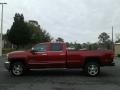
<point x="17" y="54"/>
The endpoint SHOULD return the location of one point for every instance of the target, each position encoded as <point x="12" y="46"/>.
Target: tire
<point x="92" y="69"/>
<point x="17" y="68"/>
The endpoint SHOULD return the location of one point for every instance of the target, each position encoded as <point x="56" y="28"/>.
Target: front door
<point x="39" y="56"/>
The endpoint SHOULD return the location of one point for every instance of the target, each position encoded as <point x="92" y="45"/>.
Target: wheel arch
<point x="14" y="60"/>
<point x="92" y="59"/>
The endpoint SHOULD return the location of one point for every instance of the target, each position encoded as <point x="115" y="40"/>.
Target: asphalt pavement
<point x="109" y="79"/>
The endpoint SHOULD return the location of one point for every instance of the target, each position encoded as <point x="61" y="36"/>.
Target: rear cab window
<point x="56" y="47"/>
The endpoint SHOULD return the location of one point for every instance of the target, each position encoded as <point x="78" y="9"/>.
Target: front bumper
<point x="7" y="65"/>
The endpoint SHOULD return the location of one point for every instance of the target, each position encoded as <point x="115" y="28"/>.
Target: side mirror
<point x="33" y="50"/>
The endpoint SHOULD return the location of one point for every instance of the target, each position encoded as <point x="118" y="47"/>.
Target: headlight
<point x="7" y="55"/>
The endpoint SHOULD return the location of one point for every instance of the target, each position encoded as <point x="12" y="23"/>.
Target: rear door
<point x="57" y="55"/>
<point x="74" y="59"/>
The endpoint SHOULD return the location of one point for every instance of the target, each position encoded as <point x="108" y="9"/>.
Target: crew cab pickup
<point x="57" y="55"/>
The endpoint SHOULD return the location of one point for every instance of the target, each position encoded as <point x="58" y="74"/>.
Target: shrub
<point x="118" y="55"/>
<point x="7" y="50"/>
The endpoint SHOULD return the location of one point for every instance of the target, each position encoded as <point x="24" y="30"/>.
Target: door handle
<point x="62" y="54"/>
<point x="44" y="54"/>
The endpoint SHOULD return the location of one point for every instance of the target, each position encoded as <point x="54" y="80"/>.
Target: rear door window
<point x="56" y="47"/>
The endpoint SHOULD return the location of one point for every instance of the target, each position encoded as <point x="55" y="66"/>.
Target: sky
<point x="73" y="20"/>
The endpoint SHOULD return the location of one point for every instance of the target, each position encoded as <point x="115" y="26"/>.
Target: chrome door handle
<point x="62" y="54"/>
<point x="44" y="54"/>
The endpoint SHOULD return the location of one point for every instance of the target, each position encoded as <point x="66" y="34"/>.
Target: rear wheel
<point x="92" y="69"/>
<point x="17" y="68"/>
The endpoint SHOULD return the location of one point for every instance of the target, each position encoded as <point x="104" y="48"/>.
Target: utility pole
<point x="112" y="40"/>
<point x="112" y="33"/>
<point x="1" y="28"/>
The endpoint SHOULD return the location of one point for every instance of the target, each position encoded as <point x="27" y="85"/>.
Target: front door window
<point x="40" y="48"/>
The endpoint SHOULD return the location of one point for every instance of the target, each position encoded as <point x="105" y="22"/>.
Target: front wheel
<point x="17" y="68"/>
<point x="92" y="69"/>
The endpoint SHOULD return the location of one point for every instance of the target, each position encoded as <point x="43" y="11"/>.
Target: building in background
<point x="117" y="49"/>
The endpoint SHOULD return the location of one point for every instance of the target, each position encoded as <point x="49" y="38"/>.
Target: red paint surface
<point x="61" y="59"/>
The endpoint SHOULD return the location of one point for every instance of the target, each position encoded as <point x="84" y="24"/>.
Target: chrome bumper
<point x="7" y="65"/>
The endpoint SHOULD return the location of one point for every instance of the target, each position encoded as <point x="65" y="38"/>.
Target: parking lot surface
<point x="109" y="79"/>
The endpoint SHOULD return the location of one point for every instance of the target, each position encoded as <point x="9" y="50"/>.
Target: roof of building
<point x="117" y="43"/>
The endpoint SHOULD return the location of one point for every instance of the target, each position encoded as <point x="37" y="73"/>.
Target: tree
<point x="103" y="37"/>
<point x="19" y="34"/>
<point x="38" y="34"/>
<point x="77" y="46"/>
<point x="104" y="41"/>
<point x="84" y="46"/>
<point x="59" y="39"/>
<point x="36" y="30"/>
<point x="94" y="46"/>
<point x="118" y="38"/>
<point x="45" y="36"/>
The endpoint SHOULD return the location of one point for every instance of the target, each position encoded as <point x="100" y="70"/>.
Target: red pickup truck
<point x="57" y="55"/>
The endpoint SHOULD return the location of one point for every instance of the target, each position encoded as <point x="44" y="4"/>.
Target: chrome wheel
<point x="92" y="68"/>
<point x="17" y="69"/>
